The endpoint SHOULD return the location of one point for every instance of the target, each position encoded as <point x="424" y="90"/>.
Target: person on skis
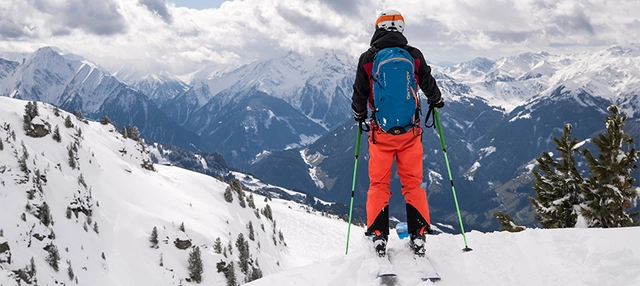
<point x="386" y="144"/>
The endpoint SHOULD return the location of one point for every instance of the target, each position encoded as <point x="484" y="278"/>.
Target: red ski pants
<point x="406" y="149"/>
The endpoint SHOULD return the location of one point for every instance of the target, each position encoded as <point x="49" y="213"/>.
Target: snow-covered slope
<point x="101" y="213"/>
<point x="532" y="257"/>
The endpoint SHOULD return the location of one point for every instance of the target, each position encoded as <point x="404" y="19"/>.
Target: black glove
<point x="439" y="104"/>
<point x="360" y="116"/>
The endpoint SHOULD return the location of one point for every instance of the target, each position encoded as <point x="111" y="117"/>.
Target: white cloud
<point x="182" y="39"/>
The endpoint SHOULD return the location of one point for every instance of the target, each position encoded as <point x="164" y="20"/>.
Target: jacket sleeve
<point x="425" y="80"/>
<point x="361" y="88"/>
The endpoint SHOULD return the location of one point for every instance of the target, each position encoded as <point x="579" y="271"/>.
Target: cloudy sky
<point x="179" y="35"/>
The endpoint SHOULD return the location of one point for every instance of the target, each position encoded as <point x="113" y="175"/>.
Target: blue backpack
<point x="396" y="106"/>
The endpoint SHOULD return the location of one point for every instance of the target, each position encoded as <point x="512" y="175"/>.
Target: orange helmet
<point x="390" y="20"/>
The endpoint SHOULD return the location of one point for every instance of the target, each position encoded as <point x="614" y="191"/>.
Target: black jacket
<point x="362" y="86"/>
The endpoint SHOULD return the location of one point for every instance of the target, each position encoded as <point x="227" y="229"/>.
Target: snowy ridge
<point x="283" y="78"/>
<point x="515" y="81"/>
<point x="115" y="203"/>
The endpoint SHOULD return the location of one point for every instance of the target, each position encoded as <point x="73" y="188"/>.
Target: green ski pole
<point x="353" y="184"/>
<point x="453" y="189"/>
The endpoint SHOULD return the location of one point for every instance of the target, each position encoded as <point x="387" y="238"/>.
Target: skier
<point x="399" y="144"/>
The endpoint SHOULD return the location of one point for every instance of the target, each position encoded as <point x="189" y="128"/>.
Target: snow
<point x="472" y="171"/>
<point x="312" y="162"/>
<point x="530" y="257"/>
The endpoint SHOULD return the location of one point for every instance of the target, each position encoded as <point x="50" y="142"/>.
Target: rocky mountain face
<point x="73" y="83"/>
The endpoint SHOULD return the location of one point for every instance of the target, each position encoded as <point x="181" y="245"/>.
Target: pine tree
<point x="256" y="273"/>
<point x="70" y="270"/>
<point x="611" y="184"/>
<point x="53" y="256"/>
<point x="78" y="114"/>
<point x="181" y="227"/>
<point x="67" y="122"/>
<point x="251" y="232"/>
<point x="243" y="252"/>
<point x="241" y="201"/>
<point x="235" y="185"/>
<point x="56" y="134"/>
<point x="228" y="195"/>
<point x="230" y="274"/>
<point x="250" y="201"/>
<point x="154" y="238"/>
<point x="507" y="223"/>
<point x="195" y="265"/>
<point x="44" y="214"/>
<point x="32" y="267"/>
<point x="266" y="211"/>
<point x="26" y="123"/>
<point x="217" y="246"/>
<point x="72" y="158"/>
<point x="558" y="185"/>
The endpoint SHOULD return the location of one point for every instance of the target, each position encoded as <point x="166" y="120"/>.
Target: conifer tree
<point x="154" y="237"/>
<point x="241" y="201"/>
<point x="266" y="211"/>
<point x="507" y="223"/>
<point x="235" y="185"/>
<point x="256" y="273"/>
<point x="243" y="252"/>
<point x="558" y="185"/>
<point x="230" y="274"/>
<point x="251" y="232"/>
<point x="196" y="267"/>
<point x="70" y="270"/>
<point x="72" y="158"/>
<point x="26" y="123"/>
<point x="611" y="184"/>
<point x="56" y="134"/>
<point x="44" y="214"/>
<point x="32" y="267"/>
<point x="217" y="246"/>
<point x="78" y="114"/>
<point x="53" y="256"/>
<point x="67" y="122"/>
<point x="250" y="201"/>
<point x="228" y="195"/>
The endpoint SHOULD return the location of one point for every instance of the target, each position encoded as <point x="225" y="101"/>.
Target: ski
<point x="427" y="271"/>
<point x="386" y="274"/>
<point x="385" y="267"/>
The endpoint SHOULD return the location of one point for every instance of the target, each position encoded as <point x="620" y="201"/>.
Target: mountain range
<point x="287" y="120"/>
